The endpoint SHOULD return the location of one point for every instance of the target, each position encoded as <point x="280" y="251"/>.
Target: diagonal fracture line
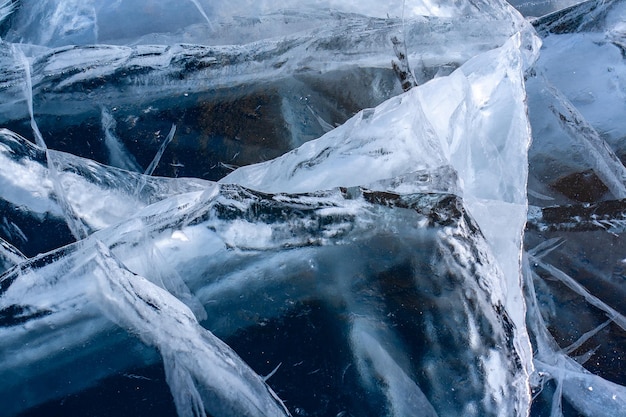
<point x="545" y="248"/>
<point x="586" y="336"/>
<point x="606" y="164"/>
<point x="159" y="154"/>
<point x="571" y="283"/>
<point x="155" y="161"/>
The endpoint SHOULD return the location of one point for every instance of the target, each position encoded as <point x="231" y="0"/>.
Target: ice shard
<point x="99" y="196"/>
<point x="9" y="256"/>
<point x="226" y="385"/>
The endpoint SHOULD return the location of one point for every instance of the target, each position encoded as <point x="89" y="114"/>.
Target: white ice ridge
<point x="474" y="120"/>
<point x="203" y="373"/>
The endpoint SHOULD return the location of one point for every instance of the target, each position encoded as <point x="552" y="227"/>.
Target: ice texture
<point x="73" y="22"/>
<point x="429" y="126"/>
<point x="310" y="208"/>
<point x="574" y="236"/>
<point x="190" y="352"/>
<point x="229" y="225"/>
<point x="282" y="77"/>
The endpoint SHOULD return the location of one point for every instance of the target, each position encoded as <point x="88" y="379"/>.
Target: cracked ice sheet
<point x="599" y="90"/>
<point x="226" y="385"/>
<point x="82" y="22"/>
<point x="100" y="196"/>
<point x="475" y="120"/>
<point x="146" y="73"/>
<point x="576" y="102"/>
<point x="55" y="293"/>
<point x="589" y="394"/>
<point x="436" y="161"/>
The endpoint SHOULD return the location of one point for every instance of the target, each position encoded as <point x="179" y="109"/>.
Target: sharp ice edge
<point x="9" y="256"/>
<point x="600" y="156"/>
<point x="430" y="136"/>
<point x="195" y="360"/>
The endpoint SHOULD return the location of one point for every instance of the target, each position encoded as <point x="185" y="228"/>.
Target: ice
<point x="100" y="196"/>
<point x="534" y="8"/>
<point x="580" y="17"/>
<point x="159" y="154"/>
<point x="615" y="316"/>
<point x="588" y="393"/>
<point x="201" y="11"/>
<point x="576" y="187"/>
<point x="210" y="247"/>
<point x="197" y="364"/>
<point x="425" y="138"/>
<point x="88" y="22"/>
<point x="156" y="160"/>
<point x="119" y="156"/>
<point x="366" y="244"/>
<point x="299" y="78"/>
<point x="6" y="8"/>
<point x="73" y="223"/>
<point x="430" y="124"/>
<point x="562" y="127"/>
<point x="596" y="91"/>
<point x="9" y="256"/>
<point x="374" y="362"/>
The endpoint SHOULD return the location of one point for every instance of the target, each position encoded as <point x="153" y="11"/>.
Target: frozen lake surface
<point x="304" y="208"/>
